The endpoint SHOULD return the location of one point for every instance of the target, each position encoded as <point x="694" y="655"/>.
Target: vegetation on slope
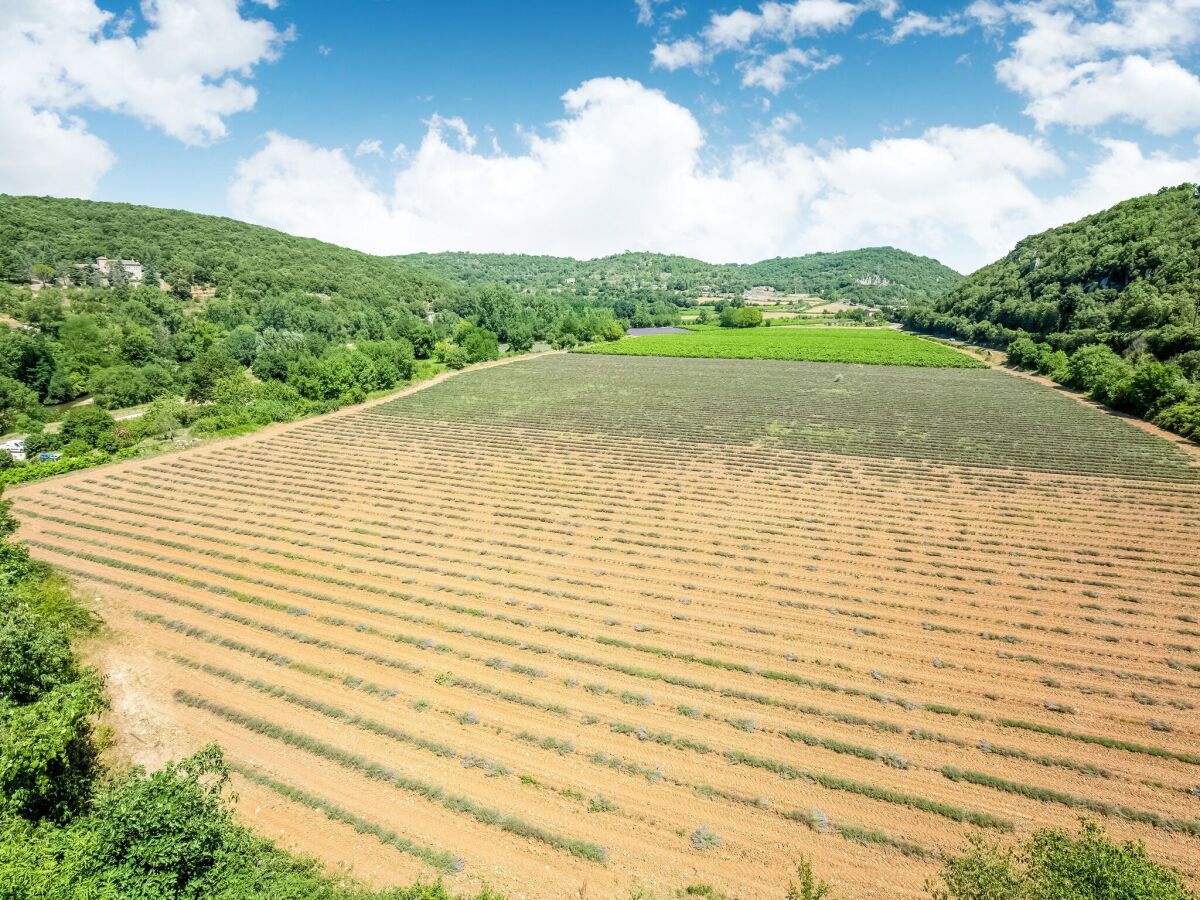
<point x="1109" y="304"/>
<point x="41" y="237"/>
<point x="875" y="275"/>
<point x="231" y="326"/>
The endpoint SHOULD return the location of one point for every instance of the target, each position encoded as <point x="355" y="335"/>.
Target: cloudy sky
<point x="728" y="132"/>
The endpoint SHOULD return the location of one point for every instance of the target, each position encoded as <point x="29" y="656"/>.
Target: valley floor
<point x="587" y="622"/>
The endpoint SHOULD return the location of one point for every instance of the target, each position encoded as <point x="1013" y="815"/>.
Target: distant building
<point x="761" y="294"/>
<point x="132" y="267"/>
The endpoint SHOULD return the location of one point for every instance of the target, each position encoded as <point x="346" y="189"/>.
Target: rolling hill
<point x="190" y="248"/>
<point x="1109" y="304"/>
<point x="1127" y="276"/>
<point x="874" y="275"/>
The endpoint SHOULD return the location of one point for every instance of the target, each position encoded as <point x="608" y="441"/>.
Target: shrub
<point x="479" y="344"/>
<point x="1099" y="371"/>
<point x="809" y="887"/>
<point x="47" y="757"/>
<point x="600" y="803"/>
<point x="1024" y="353"/>
<point x="704" y="838"/>
<point x="741" y="317"/>
<point x="986" y="871"/>
<point x="35" y="655"/>
<point x="1055" y="865"/>
<point x="90" y="425"/>
<point x="455" y="357"/>
<point x="1183" y="418"/>
<point x="182" y="828"/>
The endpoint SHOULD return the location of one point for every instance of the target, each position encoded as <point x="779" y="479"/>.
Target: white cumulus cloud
<point x="685" y="53"/>
<point x="369" y="147"/>
<point x="917" y="23"/>
<point x="749" y="34"/>
<point x="626" y="169"/>
<point x="185" y="74"/>
<point x="1077" y="66"/>
<point x="773" y="71"/>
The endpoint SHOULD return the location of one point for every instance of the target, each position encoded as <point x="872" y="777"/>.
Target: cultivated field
<point x="875" y="346"/>
<point x="583" y="622"/>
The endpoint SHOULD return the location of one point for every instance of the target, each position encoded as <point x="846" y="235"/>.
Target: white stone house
<point x="132" y="267"/>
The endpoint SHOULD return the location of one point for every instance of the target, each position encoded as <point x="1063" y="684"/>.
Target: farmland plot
<point x="572" y="624"/>
<point x="813" y="343"/>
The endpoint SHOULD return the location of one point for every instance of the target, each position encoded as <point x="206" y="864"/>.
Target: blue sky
<point x="726" y="131"/>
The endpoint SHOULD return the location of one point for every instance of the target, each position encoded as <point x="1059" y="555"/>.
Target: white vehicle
<point x="15" y="448"/>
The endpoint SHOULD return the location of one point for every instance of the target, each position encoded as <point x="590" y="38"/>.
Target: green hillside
<point x="220" y="326"/>
<point x="187" y="248"/>
<point x="1109" y="304"/>
<point x="216" y="299"/>
<point x="205" y="302"/>
<point x="875" y="275"/>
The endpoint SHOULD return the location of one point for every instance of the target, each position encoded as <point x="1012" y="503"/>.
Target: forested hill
<point x="187" y="248"/>
<point x="122" y="305"/>
<point x="1109" y="304"/>
<point x="1129" y="275"/>
<point x="875" y="275"/>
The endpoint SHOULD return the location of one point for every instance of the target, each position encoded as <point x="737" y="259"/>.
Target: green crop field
<point x="873" y="346"/>
<point x="964" y="417"/>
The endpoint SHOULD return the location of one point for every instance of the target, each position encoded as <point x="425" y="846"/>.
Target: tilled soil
<point x="516" y="645"/>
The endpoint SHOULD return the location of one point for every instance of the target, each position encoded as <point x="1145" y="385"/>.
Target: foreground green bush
<point x="169" y="835"/>
<point x="1055" y="865"/>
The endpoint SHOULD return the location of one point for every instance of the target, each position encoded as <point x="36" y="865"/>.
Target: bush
<point x="91" y="427"/>
<point x="1055" y="865"/>
<point x="455" y="357"/>
<point x="1154" y="386"/>
<point x="520" y="338"/>
<point x="163" y="834"/>
<point x="1099" y="371"/>
<point x="16" y="400"/>
<point x="703" y="838"/>
<point x="480" y="345"/>
<point x="35" y="655"/>
<point x="741" y="317"/>
<point x="47" y="758"/>
<point x="809" y="887"/>
<point x="1182" y="418"/>
<point x="1024" y="353"/>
